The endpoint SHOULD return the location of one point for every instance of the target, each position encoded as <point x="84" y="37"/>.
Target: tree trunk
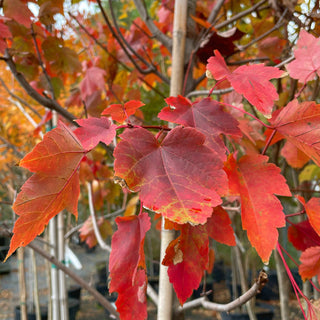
<point x="63" y="302"/>
<point x="178" y="51"/>
<point x="283" y="283"/>
<point x="35" y="285"/>
<point x="54" y="270"/>
<point x="22" y="284"/>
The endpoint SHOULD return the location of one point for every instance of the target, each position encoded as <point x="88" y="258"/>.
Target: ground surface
<point x="89" y="309"/>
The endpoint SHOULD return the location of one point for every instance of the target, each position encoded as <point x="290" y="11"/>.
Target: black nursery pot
<point x="102" y="272"/>
<point x="4" y="248"/>
<point x="31" y="315"/>
<point x="112" y="298"/>
<point x="74" y="292"/>
<point x="74" y="307"/>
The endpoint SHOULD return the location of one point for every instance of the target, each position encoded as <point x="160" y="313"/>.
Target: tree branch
<point x="256" y="288"/>
<point x="99" y="297"/>
<point x="214" y="13"/>
<point x="239" y="15"/>
<point x="165" y="40"/>
<point x="45" y="101"/>
<point x="76" y="228"/>
<point x="206" y="92"/>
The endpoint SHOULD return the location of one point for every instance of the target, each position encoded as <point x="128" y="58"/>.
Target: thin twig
<point x="150" y="69"/>
<point x="239" y="15"/>
<point x="241" y="62"/>
<point x="20" y="99"/>
<point x="26" y="114"/>
<point x="125" y="42"/>
<point x="277" y="26"/>
<point x="284" y="62"/>
<point x="214" y="13"/>
<point x="104" y="48"/>
<point x="79" y="226"/>
<point x="96" y="230"/>
<point x="206" y="92"/>
<point x="33" y="34"/>
<point x="13" y="147"/>
<point x="165" y="40"/>
<point x="9" y="203"/>
<point x="99" y="43"/>
<point x="243" y="281"/>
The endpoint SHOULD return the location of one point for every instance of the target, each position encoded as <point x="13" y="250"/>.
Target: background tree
<point x="108" y="62"/>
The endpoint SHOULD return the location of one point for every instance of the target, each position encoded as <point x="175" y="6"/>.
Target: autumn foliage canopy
<point x="188" y="159"/>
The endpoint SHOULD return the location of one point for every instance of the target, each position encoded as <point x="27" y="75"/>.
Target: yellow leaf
<point x="123" y="16"/>
<point x="154" y="8"/>
<point x="310" y="172"/>
<point x="131" y="206"/>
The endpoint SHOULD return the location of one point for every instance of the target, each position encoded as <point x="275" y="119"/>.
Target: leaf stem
<point x="296" y="288"/>
<point x="295" y="214"/>
<point x="187" y="73"/>
<point x="247" y="113"/>
<point x="217" y="83"/>
<point x="131" y="126"/>
<point x="269" y="141"/>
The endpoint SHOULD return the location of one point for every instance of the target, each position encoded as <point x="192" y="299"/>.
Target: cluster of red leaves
<point x="182" y="174"/>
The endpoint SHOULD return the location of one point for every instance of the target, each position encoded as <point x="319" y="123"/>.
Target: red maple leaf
<point x="219" y="227"/>
<point x="4" y="33"/>
<point x="251" y="80"/>
<point x="120" y="112"/>
<point x="310" y="263"/>
<point x="19" y="11"/>
<point x="187" y="257"/>
<point x="53" y="187"/>
<point x="222" y="41"/>
<point x="207" y="116"/>
<point x="93" y="81"/>
<point x="127" y="266"/>
<point x="257" y="182"/>
<point x="294" y="156"/>
<point x="312" y="208"/>
<point x="271" y="47"/>
<point x="306" y="65"/>
<point x="178" y="177"/>
<point x="302" y="235"/>
<point x="94" y="130"/>
<point x="300" y="124"/>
